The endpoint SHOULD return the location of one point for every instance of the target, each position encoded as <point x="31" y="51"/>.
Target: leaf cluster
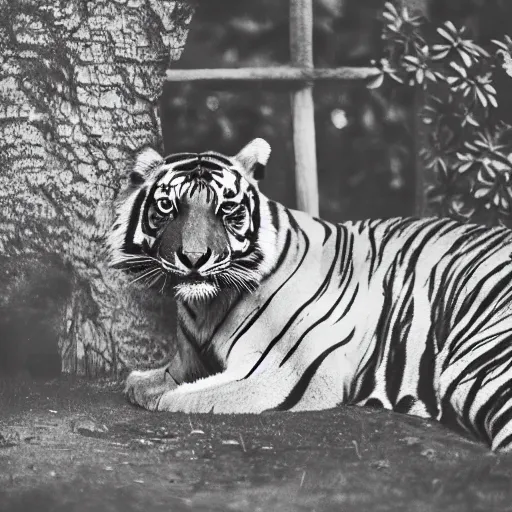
<point x="466" y="146"/>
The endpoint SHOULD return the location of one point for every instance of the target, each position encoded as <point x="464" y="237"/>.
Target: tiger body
<point x="409" y="315"/>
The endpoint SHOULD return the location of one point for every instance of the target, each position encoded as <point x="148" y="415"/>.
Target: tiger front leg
<point x="225" y="393"/>
<point x="144" y="388"/>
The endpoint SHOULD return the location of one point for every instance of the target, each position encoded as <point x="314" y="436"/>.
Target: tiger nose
<point x="193" y="259"/>
<point x="193" y="256"/>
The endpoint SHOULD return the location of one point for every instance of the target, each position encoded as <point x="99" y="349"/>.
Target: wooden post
<point x="423" y="176"/>
<point x="303" y="110"/>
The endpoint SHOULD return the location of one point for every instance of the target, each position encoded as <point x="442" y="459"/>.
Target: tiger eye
<point x="164" y="205"/>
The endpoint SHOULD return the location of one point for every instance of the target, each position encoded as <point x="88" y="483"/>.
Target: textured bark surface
<point x="79" y="84"/>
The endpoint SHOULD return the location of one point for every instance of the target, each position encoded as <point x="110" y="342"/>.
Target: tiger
<point x="278" y="310"/>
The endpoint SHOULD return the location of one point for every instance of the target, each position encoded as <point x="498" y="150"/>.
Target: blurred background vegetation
<point x="365" y="138"/>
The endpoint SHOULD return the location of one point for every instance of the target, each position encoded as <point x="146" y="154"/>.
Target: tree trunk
<point x="79" y="85"/>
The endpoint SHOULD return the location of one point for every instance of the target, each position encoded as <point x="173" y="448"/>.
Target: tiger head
<point x="197" y="221"/>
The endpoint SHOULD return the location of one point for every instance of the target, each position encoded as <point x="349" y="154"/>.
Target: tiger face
<point x="195" y="220"/>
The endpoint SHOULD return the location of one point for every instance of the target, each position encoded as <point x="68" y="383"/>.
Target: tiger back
<point x="278" y="310"/>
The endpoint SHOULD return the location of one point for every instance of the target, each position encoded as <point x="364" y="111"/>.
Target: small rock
<point x="429" y="453"/>
<point x="89" y="428"/>
<point x="197" y="431"/>
<point x="380" y="464"/>
<point x="411" y="440"/>
<point x="9" y="439"/>
<point x="144" y="442"/>
<point x="53" y="474"/>
<point x="230" y="441"/>
<point x="190" y="454"/>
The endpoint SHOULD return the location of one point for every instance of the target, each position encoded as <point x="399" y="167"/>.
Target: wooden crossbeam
<point x="300" y="77"/>
<point x="283" y="73"/>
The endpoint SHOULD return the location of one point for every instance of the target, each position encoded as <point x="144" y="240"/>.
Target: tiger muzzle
<point x="195" y="236"/>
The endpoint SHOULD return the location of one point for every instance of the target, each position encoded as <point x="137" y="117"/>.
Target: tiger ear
<point x="145" y="161"/>
<point x="254" y="158"/>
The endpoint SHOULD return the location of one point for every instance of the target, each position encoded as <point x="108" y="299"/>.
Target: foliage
<point x="466" y="145"/>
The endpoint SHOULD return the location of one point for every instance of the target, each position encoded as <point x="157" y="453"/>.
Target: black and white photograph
<point x="256" y="255"/>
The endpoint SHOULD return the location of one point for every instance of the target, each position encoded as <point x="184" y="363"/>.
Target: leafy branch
<point x="469" y="150"/>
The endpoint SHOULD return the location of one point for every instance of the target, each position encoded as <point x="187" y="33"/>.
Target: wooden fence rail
<point x="292" y="74"/>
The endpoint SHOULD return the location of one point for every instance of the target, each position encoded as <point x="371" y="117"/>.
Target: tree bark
<point x="79" y="84"/>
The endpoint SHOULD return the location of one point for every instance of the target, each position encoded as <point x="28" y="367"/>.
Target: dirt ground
<point x="72" y="445"/>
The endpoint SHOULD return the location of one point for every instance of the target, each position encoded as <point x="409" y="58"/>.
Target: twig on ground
<point x="356" y="446"/>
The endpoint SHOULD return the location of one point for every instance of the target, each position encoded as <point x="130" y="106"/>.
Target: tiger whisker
<point x="132" y="262"/>
<point x="216" y="268"/>
<point x="144" y="275"/>
<point x="155" y="280"/>
<point x="165" y="283"/>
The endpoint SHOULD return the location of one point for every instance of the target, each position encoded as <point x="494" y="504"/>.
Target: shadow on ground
<point x="71" y="445"/>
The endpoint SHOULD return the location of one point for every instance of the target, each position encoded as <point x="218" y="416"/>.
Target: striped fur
<point x="409" y="315"/>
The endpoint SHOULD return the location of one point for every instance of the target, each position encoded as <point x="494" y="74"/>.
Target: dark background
<point x="365" y="141"/>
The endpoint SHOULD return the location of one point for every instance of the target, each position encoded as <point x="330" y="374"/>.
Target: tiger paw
<point x="145" y="388"/>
